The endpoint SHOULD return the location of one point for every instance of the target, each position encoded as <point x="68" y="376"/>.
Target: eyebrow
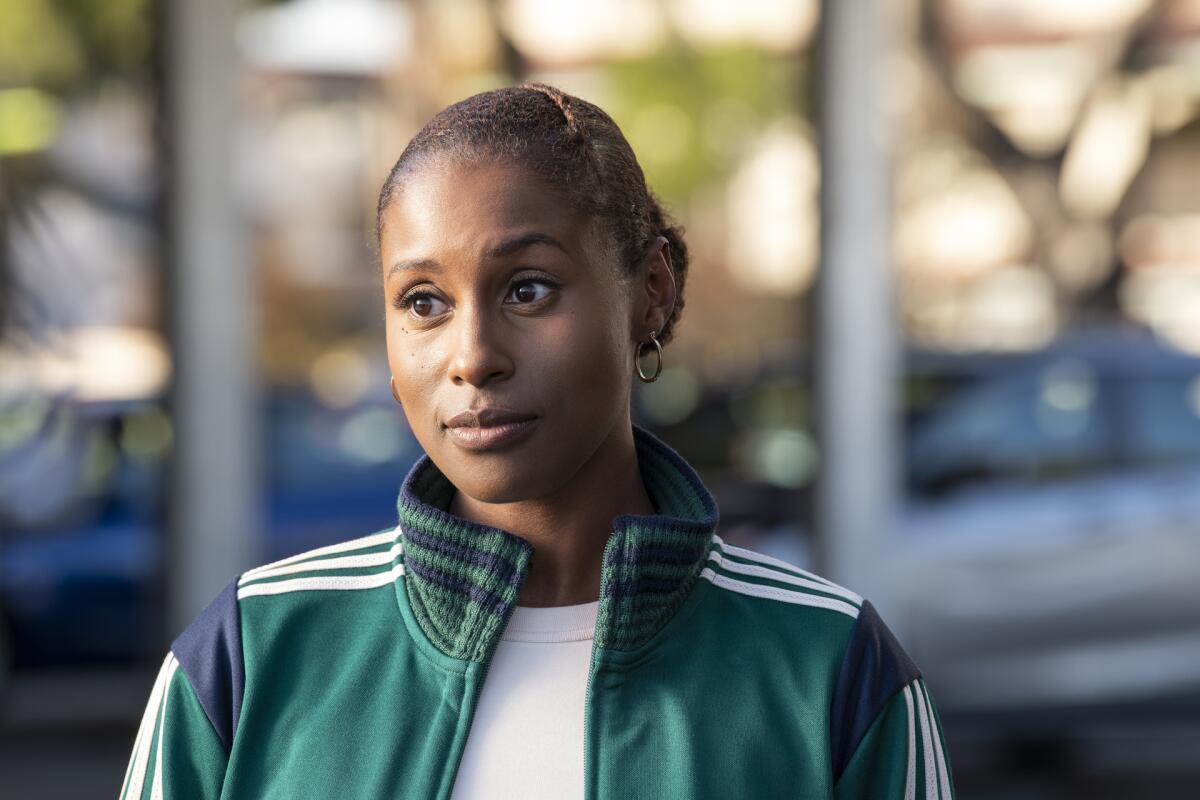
<point x="517" y="243"/>
<point x="505" y="248"/>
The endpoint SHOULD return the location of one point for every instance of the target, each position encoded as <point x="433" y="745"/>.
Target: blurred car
<point x="81" y="513"/>
<point x="1049" y="553"/>
<point x="1046" y="554"/>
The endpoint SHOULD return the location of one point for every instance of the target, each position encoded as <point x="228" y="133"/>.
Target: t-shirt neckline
<point x="552" y="623"/>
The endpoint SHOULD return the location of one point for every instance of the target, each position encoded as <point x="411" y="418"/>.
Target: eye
<point x="526" y="291"/>
<point x="420" y="304"/>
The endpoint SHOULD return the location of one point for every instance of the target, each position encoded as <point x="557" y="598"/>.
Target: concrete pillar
<point x="856" y="340"/>
<point x="214" y="519"/>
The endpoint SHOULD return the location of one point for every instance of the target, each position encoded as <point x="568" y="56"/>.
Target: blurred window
<point x="82" y="464"/>
<point x="1162" y="419"/>
<point x="313" y="447"/>
<point x="1046" y="423"/>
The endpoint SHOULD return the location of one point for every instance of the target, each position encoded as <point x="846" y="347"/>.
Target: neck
<point x="569" y="528"/>
<point x="462" y="578"/>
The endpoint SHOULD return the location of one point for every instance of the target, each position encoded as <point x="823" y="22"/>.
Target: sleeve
<point x="886" y="737"/>
<point x="902" y="755"/>
<point x="177" y="754"/>
<point x="187" y="731"/>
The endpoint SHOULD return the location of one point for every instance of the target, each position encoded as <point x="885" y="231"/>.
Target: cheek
<point x="587" y="354"/>
<point x="408" y="362"/>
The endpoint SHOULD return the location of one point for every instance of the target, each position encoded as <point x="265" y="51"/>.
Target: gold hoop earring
<point x="637" y="359"/>
<point x="395" y="394"/>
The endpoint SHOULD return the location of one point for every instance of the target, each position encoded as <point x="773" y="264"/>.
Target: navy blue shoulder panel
<point x="209" y="652"/>
<point x="874" y="668"/>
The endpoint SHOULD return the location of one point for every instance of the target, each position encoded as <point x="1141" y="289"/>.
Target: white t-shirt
<point x="526" y="740"/>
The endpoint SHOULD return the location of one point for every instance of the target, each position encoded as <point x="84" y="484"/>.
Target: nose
<point x="480" y="353"/>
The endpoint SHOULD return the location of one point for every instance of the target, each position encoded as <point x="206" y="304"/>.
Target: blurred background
<point x="942" y="341"/>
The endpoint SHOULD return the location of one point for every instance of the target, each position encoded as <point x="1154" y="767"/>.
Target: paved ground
<point x="64" y="765"/>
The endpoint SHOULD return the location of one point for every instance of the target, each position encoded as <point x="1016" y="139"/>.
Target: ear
<point x="654" y="290"/>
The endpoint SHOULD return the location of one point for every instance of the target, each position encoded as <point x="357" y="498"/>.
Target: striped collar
<point x="463" y="578"/>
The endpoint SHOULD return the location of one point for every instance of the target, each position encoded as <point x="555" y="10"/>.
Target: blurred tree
<point x="70" y="46"/>
<point x="52" y="53"/>
<point x="686" y="110"/>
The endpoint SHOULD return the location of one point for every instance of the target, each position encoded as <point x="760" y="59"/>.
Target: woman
<point x="545" y="542"/>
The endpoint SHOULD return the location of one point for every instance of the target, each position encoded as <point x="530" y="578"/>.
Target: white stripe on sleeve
<point x="910" y="780"/>
<point x="343" y="562"/>
<point x="943" y="773"/>
<point x="137" y="745"/>
<point x="156" y="793"/>
<point x="141" y="752"/>
<point x="776" y="593"/>
<point x="372" y="580"/>
<point x="930" y="770"/>
<point x="341" y="547"/>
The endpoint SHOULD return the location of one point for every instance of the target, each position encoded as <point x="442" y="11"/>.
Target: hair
<point x="570" y="143"/>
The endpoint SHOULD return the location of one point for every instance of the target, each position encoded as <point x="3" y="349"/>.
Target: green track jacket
<point x="353" y="671"/>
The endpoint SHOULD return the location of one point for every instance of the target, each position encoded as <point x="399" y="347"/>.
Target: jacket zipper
<point x="587" y="727"/>
<point x="478" y="690"/>
<point x="587" y="696"/>
<point x="588" y="767"/>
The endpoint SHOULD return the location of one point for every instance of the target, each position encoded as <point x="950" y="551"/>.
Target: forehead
<point x="464" y="209"/>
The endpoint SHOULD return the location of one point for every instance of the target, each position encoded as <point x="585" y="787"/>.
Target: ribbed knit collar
<point x="463" y="578"/>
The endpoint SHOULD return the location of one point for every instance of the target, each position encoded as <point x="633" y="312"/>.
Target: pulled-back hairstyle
<point x="570" y="143"/>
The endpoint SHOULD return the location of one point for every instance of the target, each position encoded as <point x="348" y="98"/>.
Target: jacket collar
<point x="463" y="578"/>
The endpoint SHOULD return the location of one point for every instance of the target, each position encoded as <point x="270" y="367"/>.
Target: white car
<point x="1050" y="547"/>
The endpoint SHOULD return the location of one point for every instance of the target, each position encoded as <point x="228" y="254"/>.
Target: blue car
<point x="82" y="494"/>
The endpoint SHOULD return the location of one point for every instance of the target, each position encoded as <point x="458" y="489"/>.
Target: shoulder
<point x="210" y="651"/>
<point x="363" y="563"/>
<point x="866" y="664"/>
<point x="742" y="571"/>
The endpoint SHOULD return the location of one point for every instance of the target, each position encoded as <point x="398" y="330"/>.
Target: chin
<point x="502" y="476"/>
<point x="501" y="482"/>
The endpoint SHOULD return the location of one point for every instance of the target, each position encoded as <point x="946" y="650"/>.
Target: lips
<point x="487" y="417"/>
<point x="491" y="428"/>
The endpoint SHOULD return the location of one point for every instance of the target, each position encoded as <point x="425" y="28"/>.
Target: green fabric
<point x="731" y="700"/>
<point x="193" y="761"/>
<point x="878" y="770"/>
<point x="464" y="577"/>
<point x="339" y="703"/>
<point x="712" y="673"/>
<point x="943" y="761"/>
<point x="662" y="550"/>
<point x="879" y="766"/>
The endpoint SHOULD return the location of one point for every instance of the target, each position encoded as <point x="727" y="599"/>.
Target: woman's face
<point x="499" y="297"/>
